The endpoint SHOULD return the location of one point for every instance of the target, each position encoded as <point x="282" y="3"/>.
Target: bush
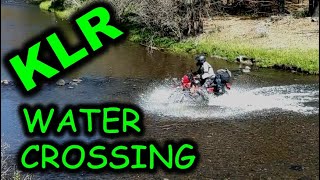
<point x="9" y="171"/>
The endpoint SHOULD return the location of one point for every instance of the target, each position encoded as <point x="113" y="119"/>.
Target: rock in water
<point x="245" y="60"/>
<point x="225" y="58"/>
<point x="241" y="58"/>
<point x="73" y="83"/>
<point x="216" y="57"/>
<point x="5" y="82"/>
<point x="297" y="167"/>
<point x="76" y="80"/>
<point x="61" y="82"/>
<point x="246" y="69"/>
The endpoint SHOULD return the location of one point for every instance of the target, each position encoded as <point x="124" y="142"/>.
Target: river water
<point x="265" y="126"/>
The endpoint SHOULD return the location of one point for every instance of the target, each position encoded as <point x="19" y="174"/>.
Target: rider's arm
<point x="199" y="71"/>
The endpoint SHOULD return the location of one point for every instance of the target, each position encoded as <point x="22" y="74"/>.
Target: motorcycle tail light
<point x="210" y="90"/>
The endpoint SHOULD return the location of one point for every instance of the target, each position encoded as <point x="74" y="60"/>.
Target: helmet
<point x="201" y="59"/>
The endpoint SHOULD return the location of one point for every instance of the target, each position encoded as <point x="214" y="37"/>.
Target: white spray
<point x="239" y="101"/>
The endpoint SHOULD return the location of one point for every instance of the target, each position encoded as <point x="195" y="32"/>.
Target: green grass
<point x="307" y="60"/>
<point x="65" y="14"/>
<point x="59" y="12"/>
<point x="45" y="5"/>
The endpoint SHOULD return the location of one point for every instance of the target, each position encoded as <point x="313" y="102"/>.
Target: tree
<point x="313" y="7"/>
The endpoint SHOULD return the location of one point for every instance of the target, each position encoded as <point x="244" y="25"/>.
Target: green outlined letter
<point x="138" y="164"/>
<point x="97" y="156"/>
<point x="107" y="120"/>
<point x="119" y="156"/>
<point x="154" y="151"/>
<point x="89" y="116"/>
<point x="190" y="159"/>
<point x="131" y="123"/>
<point x="37" y="117"/>
<point x="65" y="59"/>
<point x="64" y="122"/>
<point x="91" y="32"/>
<point x="25" y="72"/>
<point x="46" y="159"/>
<point x="65" y="153"/>
<point x="24" y="155"/>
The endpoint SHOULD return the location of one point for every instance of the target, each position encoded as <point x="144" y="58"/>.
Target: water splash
<point x="240" y="101"/>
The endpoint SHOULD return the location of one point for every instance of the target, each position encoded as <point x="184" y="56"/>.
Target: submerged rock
<point x="296" y="167"/>
<point x="76" y="80"/>
<point x="61" y="82"/>
<point x="5" y="82"/>
<point x="247" y="69"/>
<point x="245" y="60"/>
<point x="73" y="84"/>
<point x="241" y="58"/>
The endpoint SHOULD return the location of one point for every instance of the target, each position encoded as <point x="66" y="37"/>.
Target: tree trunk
<point x="313" y="4"/>
<point x="191" y="10"/>
<point x="281" y="4"/>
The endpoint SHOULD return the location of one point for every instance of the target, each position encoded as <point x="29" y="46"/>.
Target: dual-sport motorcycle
<point x="192" y="90"/>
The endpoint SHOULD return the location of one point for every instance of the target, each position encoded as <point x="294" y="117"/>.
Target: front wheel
<point x="203" y="96"/>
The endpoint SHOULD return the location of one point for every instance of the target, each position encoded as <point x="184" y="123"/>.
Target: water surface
<point x="268" y="123"/>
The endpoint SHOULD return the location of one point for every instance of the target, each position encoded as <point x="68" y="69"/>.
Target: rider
<point x="206" y="73"/>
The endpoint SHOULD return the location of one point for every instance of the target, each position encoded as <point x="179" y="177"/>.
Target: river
<point x="264" y="127"/>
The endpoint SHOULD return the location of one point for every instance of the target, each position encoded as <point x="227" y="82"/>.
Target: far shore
<point x="281" y="42"/>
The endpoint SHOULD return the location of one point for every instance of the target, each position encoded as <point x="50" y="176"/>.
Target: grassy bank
<point x="307" y="60"/>
<point x="60" y="13"/>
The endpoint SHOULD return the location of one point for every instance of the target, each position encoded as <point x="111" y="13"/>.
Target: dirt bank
<point x="272" y="41"/>
<point x="269" y="33"/>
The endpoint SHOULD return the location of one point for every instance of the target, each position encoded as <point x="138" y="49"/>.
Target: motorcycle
<point x="191" y="90"/>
